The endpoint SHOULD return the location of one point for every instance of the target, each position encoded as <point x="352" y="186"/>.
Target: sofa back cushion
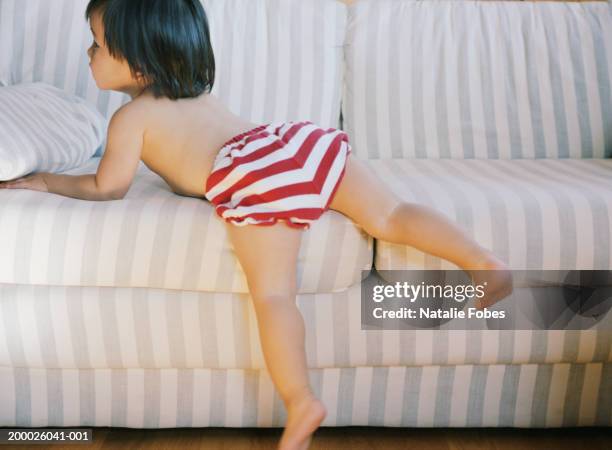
<point x="47" y="41"/>
<point x="275" y="59"/>
<point x="467" y="79"/>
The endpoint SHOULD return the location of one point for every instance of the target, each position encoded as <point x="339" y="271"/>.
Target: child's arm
<point x="117" y="167"/>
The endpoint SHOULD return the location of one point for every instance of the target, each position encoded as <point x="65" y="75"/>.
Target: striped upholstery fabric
<point x="42" y="40"/>
<point x="44" y="129"/>
<point x="486" y="80"/>
<point x="88" y="327"/>
<point x="142" y="318"/>
<point x="551" y="214"/>
<point x="530" y="395"/>
<point x="154" y="238"/>
<point x="275" y="59"/>
<point x="279" y="60"/>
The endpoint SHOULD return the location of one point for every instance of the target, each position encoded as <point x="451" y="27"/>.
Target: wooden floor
<point x="349" y="438"/>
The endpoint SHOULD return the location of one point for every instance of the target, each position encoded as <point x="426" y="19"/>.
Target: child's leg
<point x="365" y="199"/>
<point x="268" y="256"/>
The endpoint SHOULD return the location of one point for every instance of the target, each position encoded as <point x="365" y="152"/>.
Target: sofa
<point x="135" y="313"/>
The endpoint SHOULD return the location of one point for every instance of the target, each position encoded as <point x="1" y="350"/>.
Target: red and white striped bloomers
<point x="286" y="171"/>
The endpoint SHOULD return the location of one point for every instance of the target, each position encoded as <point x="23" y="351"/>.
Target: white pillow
<point x="44" y="129"/>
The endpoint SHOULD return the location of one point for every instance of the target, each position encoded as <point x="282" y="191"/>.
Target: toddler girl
<point x="268" y="182"/>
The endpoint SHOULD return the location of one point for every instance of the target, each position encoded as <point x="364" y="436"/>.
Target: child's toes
<point x="499" y="286"/>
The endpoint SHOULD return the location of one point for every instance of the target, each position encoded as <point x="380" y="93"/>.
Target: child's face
<point x="110" y="73"/>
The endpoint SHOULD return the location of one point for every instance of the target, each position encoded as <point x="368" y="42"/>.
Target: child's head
<point x="163" y="45"/>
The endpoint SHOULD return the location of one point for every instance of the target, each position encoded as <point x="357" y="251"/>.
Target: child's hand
<point x="34" y="182"/>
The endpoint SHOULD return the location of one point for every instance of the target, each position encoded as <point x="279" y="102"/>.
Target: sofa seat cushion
<point x="154" y="238"/>
<point x="549" y="214"/>
<point x="100" y="327"/>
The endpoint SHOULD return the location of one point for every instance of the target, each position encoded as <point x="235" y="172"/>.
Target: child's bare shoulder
<point x="129" y="119"/>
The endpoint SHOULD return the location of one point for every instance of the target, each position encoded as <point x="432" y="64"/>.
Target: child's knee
<point x="273" y="299"/>
<point x="385" y="223"/>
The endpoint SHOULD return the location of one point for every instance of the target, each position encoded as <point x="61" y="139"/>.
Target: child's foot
<point x="303" y="418"/>
<point x="497" y="276"/>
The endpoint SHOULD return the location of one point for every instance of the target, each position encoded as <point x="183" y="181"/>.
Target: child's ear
<point x="141" y="78"/>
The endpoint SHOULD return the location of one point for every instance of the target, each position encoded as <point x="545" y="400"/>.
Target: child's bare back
<point x="181" y="138"/>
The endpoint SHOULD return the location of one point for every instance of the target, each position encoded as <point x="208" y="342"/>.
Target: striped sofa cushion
<point x="44" y="327"/>
<point x="551" y="214"/>
<point x="479" y="79"/>
<point x="275" y="59"/>
<point x="42" y="40"/>
<point x="154" y="238"/>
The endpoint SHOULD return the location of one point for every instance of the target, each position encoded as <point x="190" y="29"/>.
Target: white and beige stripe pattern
<point x="47" y="41"/>
<point x="472" y="79"/>
<point x="552" y="214"/>
<point x="135" y="314"/>
<point x="154" y="238"/>
<point x="275" y="59"/>
<point x="91" y="327"/>
<point x="45" y="129"/>
<point x="529" y="395"/>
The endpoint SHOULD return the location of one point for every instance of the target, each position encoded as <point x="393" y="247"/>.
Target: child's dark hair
<point x="168" y="41"/>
